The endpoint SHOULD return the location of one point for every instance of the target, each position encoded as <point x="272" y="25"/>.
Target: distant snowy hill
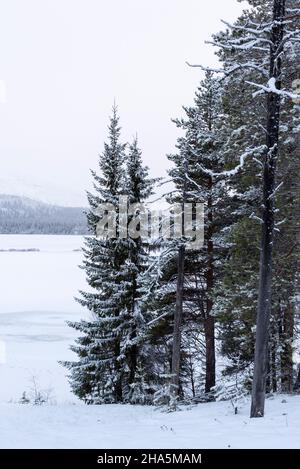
<point x="24" y="215"/>
<point x="43" y="190"/>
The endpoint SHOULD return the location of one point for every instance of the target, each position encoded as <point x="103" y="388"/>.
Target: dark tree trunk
<point x="192" y="378"/>
<point x="268" y="378"/>
<point x="265" y="273"/>
<point x="133" y="351"/>
<point x="176" y="346"/>
<point x="297" y="382"/>
<point x="287" y="349"/>
<point x="210" y="372"/>
<point x="118" y="390"/>
<point x="175" y="368"/>
<point x="271" y="380"/>
<point x="273" y="367"/>
<point x="209" y="323"/>
<point x="132" y="359"/>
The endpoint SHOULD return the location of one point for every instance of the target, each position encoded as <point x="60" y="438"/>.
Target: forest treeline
<point x="169" y="324"/>
<point x="21" y="215"/>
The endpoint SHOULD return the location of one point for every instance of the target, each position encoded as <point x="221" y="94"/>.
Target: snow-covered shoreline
<point x="37" y="298"/>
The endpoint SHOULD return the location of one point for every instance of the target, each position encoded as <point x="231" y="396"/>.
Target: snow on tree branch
<point x="233" y="69"/>
<point x="275" y="190"/>
<point x="236" y="169"/>
<point x="259" y="28"/>
<point x="252" y="44"/>
<point x="256" y="218"/>
<point x="271" y="88"/>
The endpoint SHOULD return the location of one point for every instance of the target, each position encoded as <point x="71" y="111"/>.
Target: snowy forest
<point x="169" y="326"/>
<point x="22" y="215"/>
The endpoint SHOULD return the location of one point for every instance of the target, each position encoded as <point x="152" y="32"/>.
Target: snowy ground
<point x="211" y="425"/>
<point x="37" y="290"/>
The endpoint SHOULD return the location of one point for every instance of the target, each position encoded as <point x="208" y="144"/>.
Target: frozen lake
<point x="39" y="278"/>
<point x="37" y="290"/>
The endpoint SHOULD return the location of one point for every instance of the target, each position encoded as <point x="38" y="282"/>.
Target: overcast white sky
<point x="64" y="62"/>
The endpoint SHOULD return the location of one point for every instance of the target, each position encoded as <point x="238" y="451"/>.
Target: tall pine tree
<point x="97" y="376"/>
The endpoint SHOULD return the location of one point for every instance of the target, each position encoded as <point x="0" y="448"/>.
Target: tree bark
<point x="133" y="351"/>
<point x="297" y="382"/>
<point x="175" y="368"/>
<point x="209" y="323"/>
<point x="287" y="349"/>
<point x="265" y="273"/>
<point x="118" y="389"/>
<point x="273" y="368"/>
<point x="132" y="359"/>
<point x="176" y="346"/>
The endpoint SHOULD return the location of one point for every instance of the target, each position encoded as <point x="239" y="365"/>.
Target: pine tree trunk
<point x="132" y="359"/>
<point x="209" y="323"/>
<point x="210" y="372"/>
<point x="265" y="273"/>
<point x="192" y="379"/>
<point x="297" y="382"/>
<point x="273" y="368"/>
<point x="133" y="352"/>
<point x="176" y="347"/>
<point x="175" y="368"/>
<point x="287" y="350"/>
<point x="118" y="389"/>
<point x="271" y="380"/>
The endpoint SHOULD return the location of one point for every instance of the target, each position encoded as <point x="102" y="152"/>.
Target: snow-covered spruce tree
<point x="269" y="40"/>
<point x="97" y="376"/>
<point x="238" y="293"/>
<point x="159" y="299"/>
<point x="200" y="156"/>
<point x="203" y="142"/>
<point x="113" y="362"/>
<point x="137" y="380"/>
<point x="285" y="311"/>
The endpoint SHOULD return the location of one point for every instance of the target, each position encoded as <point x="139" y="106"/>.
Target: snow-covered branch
<point x="259" y="28"/>
<point x="233" y="69"/>
<point x="290" y="36"/>
<point x="271" y="88"/>
<point x="281" y="222"/>
<point x="159" y="317"/>
<point x="256" y="218"/>
<point x="275" y="191"/>
<point x="252" y="44"/>
<point x="236" y="169"/>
